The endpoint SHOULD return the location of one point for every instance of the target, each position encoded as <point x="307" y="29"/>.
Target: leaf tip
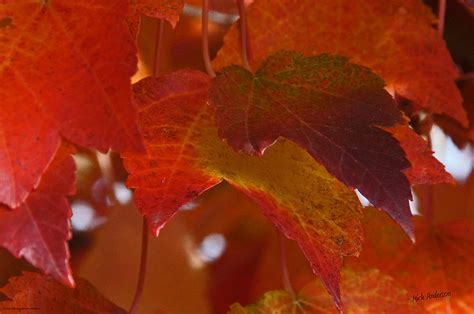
<point x="69" y="281"/>
<point x="408" y="228"/>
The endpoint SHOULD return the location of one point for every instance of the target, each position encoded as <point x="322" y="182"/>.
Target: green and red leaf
<point x="185" y="157"/>
<point x="328" y="106"/>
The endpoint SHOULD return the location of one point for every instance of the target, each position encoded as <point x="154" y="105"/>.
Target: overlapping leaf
<point x="65" y="68"/>
<point x="425" y="169"/>
<point x="36" y="293"/>
<point x="38" y="229"/>
<point x="363" y="292"/>
<point x="461" y="135"/>
<point x="439" y="263"/>
<point x="331" y="108"/>
<point x="394" y="38"/>
<point x="185" y="157"/>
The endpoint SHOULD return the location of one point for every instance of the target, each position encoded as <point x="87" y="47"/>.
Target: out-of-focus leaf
<point x="369" y="292"/>
<point x="439" y="263"/>
<point x="36" y="293"/>
<point x="461" y="135"/>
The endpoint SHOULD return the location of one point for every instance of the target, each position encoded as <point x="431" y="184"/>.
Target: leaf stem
<point x="158" y="40"/>
<point x="108" y="175"/>
<point x="441" y="16"/>
<point x="284" y="266"/>
<point x="142" y="270"/>
<point x="243" y="34"/>
<point x="205" y="38"/>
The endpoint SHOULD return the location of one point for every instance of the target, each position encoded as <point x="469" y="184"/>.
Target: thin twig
<point x="158" y="40"/>
<point x="441" y="16"/>
<point x="284" y="267"/>
<point x="205" y="38"/>
<point x="108" y="175"/>
<point x="243" y="34"/>
<point x="142" y="271"/>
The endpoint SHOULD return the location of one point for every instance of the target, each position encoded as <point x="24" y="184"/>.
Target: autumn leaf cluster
<point x="337" y="96"/>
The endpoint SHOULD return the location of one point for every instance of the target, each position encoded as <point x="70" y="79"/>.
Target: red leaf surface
<point x="364" y="292"/>
<point x="425" y="169"/>
<point x="185" y="157"/>
<point x="331" y="108"/>
<point x="394" y="38"/>
<point x="37" y="293"/>
<point x="65" y="68"/>
<point x="440" y="261"/>
<point x="39" y="228"/>
<point x="164" y="179"/>
<point x="24" y="155"/>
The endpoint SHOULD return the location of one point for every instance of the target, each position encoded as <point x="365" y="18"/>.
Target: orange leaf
<point x="394" y="38"/>
<point x="449" y="202"/>
<point x="363" y="292"/>
<point x="437" y="270"/>
<point x="425" y="169"/>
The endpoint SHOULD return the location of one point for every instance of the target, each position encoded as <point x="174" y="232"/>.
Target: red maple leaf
<point x="38" y="229"/>
<point x="65" y="69"/>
